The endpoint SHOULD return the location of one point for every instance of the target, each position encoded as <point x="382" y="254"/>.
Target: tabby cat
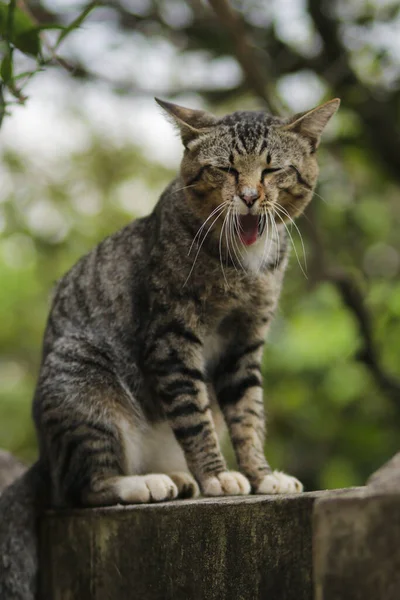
<point x="155" y="338"/>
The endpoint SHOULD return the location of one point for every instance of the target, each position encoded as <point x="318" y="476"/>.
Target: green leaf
<point x="76" y="23"/>
<point x="6" y="69"/>
<point x="28" y="42"/>
<point x="25" y="74"/>
<point x="19" y="29"/>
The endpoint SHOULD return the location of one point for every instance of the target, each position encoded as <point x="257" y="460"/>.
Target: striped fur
<point x="155" y="338"/>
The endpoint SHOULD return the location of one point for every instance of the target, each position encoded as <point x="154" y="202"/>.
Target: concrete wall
<point x="357" y="540"/>
<point x="227" y="549"/>
<point x="338" y="545"/>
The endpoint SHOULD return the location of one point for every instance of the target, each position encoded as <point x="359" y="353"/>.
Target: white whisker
<point x="313" y="192"/>
<point x="268" y="240"/>
<point x="285" y="212"/>
<point x="275" y="237"/>
<point x="185" y="187"/>
<point x="219" y="207"/>
<point x="235" y="238"/>
<point x="292" y="242"/>
<point x="200" y="246"/>
<point x="220" y="247"/>
<point x="228" y="235"/>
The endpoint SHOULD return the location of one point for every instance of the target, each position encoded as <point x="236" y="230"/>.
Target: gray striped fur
<point x="155" y="337"/>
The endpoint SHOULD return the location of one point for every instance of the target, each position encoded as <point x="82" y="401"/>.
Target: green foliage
<point x="18" y="29"/>
<point x="20" y="32"/>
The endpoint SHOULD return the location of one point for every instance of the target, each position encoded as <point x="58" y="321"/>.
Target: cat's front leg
<point x="240" y="395"/>
<point x="177" y="375"/>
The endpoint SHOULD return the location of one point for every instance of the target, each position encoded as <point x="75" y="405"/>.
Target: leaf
<point x="6" y="69"/>
<point x="25" y="74"/>
<point x="20" y="30"/>
<point x="76" y="23"/>
<point x="28" y="42"/>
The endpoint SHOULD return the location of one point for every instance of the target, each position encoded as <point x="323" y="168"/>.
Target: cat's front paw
<point x="228" y="483"/>
<point x="137" y="489"/>
<point x="186" y="484"/>
<point x="279" y="483"/>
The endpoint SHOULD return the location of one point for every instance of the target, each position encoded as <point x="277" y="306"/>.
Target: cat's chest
<point x="215" y="345"/>
<point x="220" y="339"/>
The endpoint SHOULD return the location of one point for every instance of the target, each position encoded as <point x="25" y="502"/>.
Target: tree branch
<point x="346" y="285"/>
<point x="379" y="116"/>
<point x="246" y="53"/>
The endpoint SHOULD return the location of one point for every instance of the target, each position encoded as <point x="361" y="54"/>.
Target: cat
<point x="155" y="338"/>
<point x="162" y="325"/>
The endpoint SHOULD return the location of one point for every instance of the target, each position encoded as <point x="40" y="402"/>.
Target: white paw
<point x="135" y="489"/>
<point x="186" y="484"/>
<point x="279" y="483"/>
<point x="228" y="483"/>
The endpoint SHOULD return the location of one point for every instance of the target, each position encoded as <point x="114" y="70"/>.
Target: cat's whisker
<point x="265" y="230"/>
<point x="233" y="234"/>
<point x="292" y="242"/>
<point x="268" y="240"/>
<point x="186" y="187"/>
<point x="273" y="245"/>
<point x="220" y="247"/>
<point x="280" y="208"/>
<point x="229" y="234"/>
<point x="278" y="241"/>
<point x="200" y="247"/>
<point x="235" y="240"/>
<point x="219" y="207"/>
<point x="314" y="193"/>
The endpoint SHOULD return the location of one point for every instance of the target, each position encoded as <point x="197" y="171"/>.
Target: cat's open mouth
<point x="250" y="228"/>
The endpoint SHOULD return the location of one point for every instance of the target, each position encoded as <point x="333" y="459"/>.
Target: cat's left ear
<point x="191" y="123"/>
<point x="311" y="124"/>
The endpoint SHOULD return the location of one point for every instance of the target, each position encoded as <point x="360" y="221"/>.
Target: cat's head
<point x="251" y="164"/>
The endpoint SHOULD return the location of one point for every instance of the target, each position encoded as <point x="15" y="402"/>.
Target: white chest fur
<point x="153" y="448"/>
<point x="214" y="346"/>
<point x="265" y="250"/>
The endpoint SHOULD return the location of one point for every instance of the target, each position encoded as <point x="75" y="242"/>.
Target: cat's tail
<point x="20" y="507"/>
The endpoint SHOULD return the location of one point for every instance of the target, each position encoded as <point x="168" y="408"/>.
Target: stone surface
<point x="249" y="548"/>
<point x="10" y="469"/>
<point x="387" y="478"/>
<point x="357" y="540"/>
<point x="19" y="506"/>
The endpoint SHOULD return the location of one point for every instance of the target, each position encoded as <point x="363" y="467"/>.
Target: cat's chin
<point x="251" y="227"/>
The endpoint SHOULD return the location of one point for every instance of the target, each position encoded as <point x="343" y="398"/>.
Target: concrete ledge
<point x="357" y="540"/>
<point x="248" y="548"/>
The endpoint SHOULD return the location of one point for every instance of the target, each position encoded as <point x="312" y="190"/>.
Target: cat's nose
<point x="249" y="196"/>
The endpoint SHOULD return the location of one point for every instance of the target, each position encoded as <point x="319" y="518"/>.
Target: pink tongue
<point x="248" y="228"/>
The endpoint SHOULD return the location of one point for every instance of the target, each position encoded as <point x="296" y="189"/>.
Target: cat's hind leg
<point x="80" y="408"/>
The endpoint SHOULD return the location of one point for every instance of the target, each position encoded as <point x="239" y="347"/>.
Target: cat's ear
<point x="311" y="123"/>
<point x="191" y="123"/>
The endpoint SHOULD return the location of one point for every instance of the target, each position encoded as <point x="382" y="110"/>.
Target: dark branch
<point x="335" y="55"/>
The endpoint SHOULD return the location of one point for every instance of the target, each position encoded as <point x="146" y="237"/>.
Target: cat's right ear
<point x="191" y="123"/>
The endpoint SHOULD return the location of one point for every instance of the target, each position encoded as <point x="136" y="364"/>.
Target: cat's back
<point x="94" y="298"/>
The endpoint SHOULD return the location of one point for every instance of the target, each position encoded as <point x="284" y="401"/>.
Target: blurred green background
<point x="89" y="150"/>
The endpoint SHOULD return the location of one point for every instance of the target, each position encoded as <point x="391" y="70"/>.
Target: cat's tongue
<point x="248" y="229"/>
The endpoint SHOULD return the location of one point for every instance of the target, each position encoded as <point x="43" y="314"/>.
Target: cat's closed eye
<point x="230" y="170"/>
<point x="270" y="170"/>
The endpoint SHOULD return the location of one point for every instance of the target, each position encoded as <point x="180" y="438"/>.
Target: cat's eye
<point x="270" y="170"/>
<point x="295" y="169"/>
<point x="230" y="170"/>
